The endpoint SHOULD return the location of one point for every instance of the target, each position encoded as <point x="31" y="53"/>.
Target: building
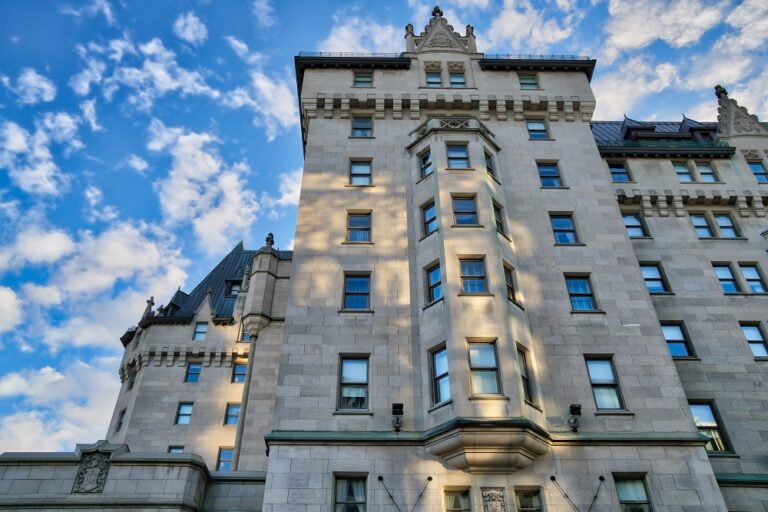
<point x="494" y="304"/>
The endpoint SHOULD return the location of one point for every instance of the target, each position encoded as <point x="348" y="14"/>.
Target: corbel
<point x="228" y="359"/>
<point x="677" y="204"/>
<point x="310" y="107"/>
<point x="568" y="110"/>
<point x="206" y="357"/>
<point x="455" y="66"/>
<point x="144" y="359"/>
<point x="344" y="108"/>
<point x="433" y="65"/>
<point x="484" y="114"/>
<point x="517" y="108"/>
<point x="647" y="207"/>
<point x="379" y="102"/>
<point x="397" y="108"/>
<point x="661" y="203"/>
<point x="741" y="204"/>
<point x="759" y="206"/>
<point x="552" y="110"/>
<point x="170" y="356"/>
<point x="328" y="108"/>
<point x="182" y="358"/>
<point x="587" y="108"/>
<point x="158" y="359"/>
<point x="751" y="154"/>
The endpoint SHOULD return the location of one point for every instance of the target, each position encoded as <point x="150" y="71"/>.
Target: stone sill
<point x="528" y="402"/>
<point x="745" y="294"/>
<point x="555" y="188"/>
<point x="588" y="312"/>
<point x="722" y="455"/>
<point x="543" y="140"/>
<point x="343" y="412"/>
<point x="486" y="294"/>
<point x="459" y="168"/>
<point x="662" y="294"/>
<point x="364" y="138"/>
<point x="761" y="358"/>
<point x="423" y="178"/>
<point x="517" y="304"/>
<point x="489" y="397"/>
<point x="347" y="242"/>
<point x="578" y="244"/>
<point x="432" y="303"/>
<point x="367" y="311"/>
<point x="686" y="358"/>
<point x="428" y="235"/>
<point x="504" y="235"/>
<point x="348" y="185"/>
<point x="440" y="405"/>
<point x="611" y="412"/>
<point x="467" y="225"/>
<point x="641" y="238"/>
<point x="723" y="238"/>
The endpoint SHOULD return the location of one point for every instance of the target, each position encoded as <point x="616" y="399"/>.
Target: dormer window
<point x="233" y="287"/>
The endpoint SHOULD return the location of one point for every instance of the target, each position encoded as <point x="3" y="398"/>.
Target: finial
<point x="151" y="301"/>
<point x="409" y="29"/>
<point x="437" y="12"/>
<point x="270" y="239"/>
<point x="720" y="92"/>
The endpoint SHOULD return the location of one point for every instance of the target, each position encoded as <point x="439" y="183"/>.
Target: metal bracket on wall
<point x="392" y="499"/>
<point x="568" y="498"/>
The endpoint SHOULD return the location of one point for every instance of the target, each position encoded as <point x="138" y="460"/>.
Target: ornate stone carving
<point x="751" y="154"/>
<point x="433" y="65"/>
<point x="493" y="500"/>
<point x="441" y="41"/>
<point x="744" y="124"/>
<point x="92" y="473"/>
<point x="455" y="66"/>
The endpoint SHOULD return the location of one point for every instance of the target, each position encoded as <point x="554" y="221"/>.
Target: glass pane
<point x="752" y="332"/>
<point x="466" y="218"/>
<point x="678" y="349"/>
<point x="357" y="284"/>
<point x="529" y="500"/>
<point x="350" y="490"/>
<point x="185" y="409"/>
<point x="716" y="442"/>
<point x="562" y="223"/>
<point x="433" y="275"/>
<point x="551" y="182"/>
<point x="672" y="332"/>
<point x="547" y="170"/>
<point x="354" y="371"/>
<point x="472" y="268"/>
<point x="582" y="303"/>
<point x="356" y="302"/>
<point x="441" y="362"/>
<point x="352" y="397"/>
<point x="443" y="389"/>
<point x="482" y="355"/>
<point x="655" y="286"/>
<point x="484" y="381"/>
<point x="750" y="272"/>
<point x="359" y="236"/>
<point x="607" y="398"/>
<point x="723" y="273"/>
<point x="536" y="125"/>
<point x="631" y="490"/>
<point x="578" y="285"/>
<point x="470" y="285"/>
<point x="464" y="204"/>
<point x="650" y="272"/>
<point x="359" y="221"/>
<point x="703" y="415"/>
<point x="457" y="501"/>
<point x="457" y="151"/>
<point x="600" y="371"/>
<point x="360" y="180"/>
<point x="758" y="349"/>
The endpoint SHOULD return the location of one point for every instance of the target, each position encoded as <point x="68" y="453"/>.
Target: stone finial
<point x="270" y="241"/>
<point x="409" y="30"/>
<point x="437" y="12"/>
<point x="720" y="92"/>
<point x="148" y="310"/>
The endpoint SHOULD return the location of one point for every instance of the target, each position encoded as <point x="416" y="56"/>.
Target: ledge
<point x="722" y="455"/>
<point x="686" y="358"/>
<point x="578" y="244"/>
<point x="467" y="225"/>
<point x="617" y="412"/>
<point x="537" y="63"/>
<point x="742" y="479"/>
<point x="587" y="312"/>
<point x="342" y="412"/>
<point x="432" y="303"/>
<point x="483" y="294"/>
<point x="723" y="238"/>
<point x="429" y="234"/>
<point x="459" y="168"/>
<point x="489" y="397"/>
<point x="368" y="311"/>
<point x="347" y="242"/>
<point x="349" y="185"/>
<point x="554" y="188"/>
<point x="440" y="405"/>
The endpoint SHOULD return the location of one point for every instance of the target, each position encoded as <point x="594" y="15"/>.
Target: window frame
<point x="662" y="279"/>
<point x="425" y="221"/>
<point x="760" y="177"/>
<point x="426" y="165"/>
<point x="490" y="164"/>
<point x="120" y="420"/>
<point x="180" y="415"/>
<point x="233" y="287"/>
<point x="525" y="84"/>
<point x="760" y="342"/>
<point x="612" y="164"/>
<point x="591" y="294"/>
<point x="509" y="282"/>
<point x="474" y="212"/>
<point x="437" y="397"/>
<point x="499" y="218"/>
<point x="221" y="463"/>
<point x="200" y="334"/>
<point x="698" y="164"/>
<point x="629" y="478"/>
<point x="556" y="230"/>
<point x="719" y="426"/>
<point x="677" y="165"/>
<point x="536" y="134"/>
<point x="456" y="490"/>
<point x="736" y="284"/>
<point x="236" y="374"/>
<point x="615" y="385"/>
<point x="349" y="476"/>
<point x="346" y="293"/>
<point x="495" y="368"/>
<point x="556" y="177"/>
<point x="365" y="385"/>
<point x="473" y="277"/>
<point x="362" y="83"/>
<point x="429" y="286"/>
<point x="457" y="84"/>
<point x="197" y="374"/>
<point x="527" y="379"/>
<point x="640" y="224"/>
<point x="760" y="279"/>
<point x="433" y="84"/>
<point x="228" y="415"/>
<point x="355" y="229"/>
<point x="354" y="119"/>
<point x="716" y="216"/>
<point x="685" y="341"/>
<point x="450" y="161"/>
<point x="360" y="175"/>
<point x="520" y="508"/>
<point x="175" y="448"/>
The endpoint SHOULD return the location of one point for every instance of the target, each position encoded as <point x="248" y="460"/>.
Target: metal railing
<point x="530" y="56"/>
<point x="451" y="123"/>
<point x="350" y="54"/>
<point x="663" y="144"/>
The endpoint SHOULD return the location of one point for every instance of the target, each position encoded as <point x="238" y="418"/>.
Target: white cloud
<point x="31" y="87"/>
<point x="189" y="28"/>
<point x="88" y="108"/>
<point x="363" y="35"/>
<point x="754" y="95"/>
<point x="264" y="13"/>
<point x="95" y="211"/>
<point x="36" y="245"/>
<point x="10" y="309"/>
<point x="137" y="163"/>
<point x="62" y="128"/>
<point x="41" y="294"/>
<point x="521" y="25"/>
<point x="289" y="188"/>
<point x="242" y="51"/>
<point x="95" y="8"/>
<point x="92" y="74"/>
<point x="750" y="19"/>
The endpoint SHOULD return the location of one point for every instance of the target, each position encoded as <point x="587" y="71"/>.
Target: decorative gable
<point x="440" y="36"/>
<point x="735" y="120"/>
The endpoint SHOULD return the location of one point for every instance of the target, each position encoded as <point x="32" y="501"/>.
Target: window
<point x="632" y="495"/>
<point x="357" y="291"/>
<point x="634" y="225"/>
<point x="537" y="130"/>
<point x="429" y="218"/>
<point x="175" y="449"/>
<point x="349" y="495"/>
<point x="441" y="387"/>
<point x="753" y="278"/>
<point x="509" y="281"/>
<point x="131" y="380"/>
<point x="490" y="164"/>
<point x="473" y="278"/>
<point x="360" y="172"/>
<point x="758" y="169"/>
<point x="725" y="226"/>
<point x="224" y="460"/>
<point x="184" y="413"/>
<point x="464" y="211"/>
<point x="529" y="82"/>
<point x="201" y="329"/>
<point x="239" y="371"/>
<point x="233" y="287"/>
<point x="362" y="126"/>
<point x="580" y="292"/>
<point x="434" y="284"/>
<point x="232" y="414"/>
<point x="120" y="420"/>
<point x="605" y="387"/>
<point x="756" y="339"/>
<point x="525" y="375"/>
<point x="677" y="341"/>
<point x="353" y="390"/>
<point x="457" y="501"/>
<point x="193" y="372"/>
<point x="245" y="337"/>
<point x="425" y="160"/>
<point x="727" y="281"/>
<point x="701" y="226"/>
<point x="483" y="368"/>
<point x="358" y="227"/>
<point x="619" y="172"/>
<point x="498" y="217"/>
<point x="706" y="421"/>
<point x="683" y="172"/>
<point x="549" y="175"/>
<point x="363" y="79"/>
<point x="458" y="156"/>
<point x="563" y="229"/>
<point x="654" y="279"/>
<point x="458" y="81"/>
<point x="706" y="173"/>
<point x="434" y="79"/>
<point x="528" y="501"/>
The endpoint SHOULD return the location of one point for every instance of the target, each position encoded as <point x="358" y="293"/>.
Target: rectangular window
<point x="131" y="380"/>
<point x="498" y="217"/>
<point x="707" y="422"/>
<point x="434" y="284"/>
<point x="239" y="372"/>
<point x="245" y="337"/>
<point x="619" y="172"/>
<point x="201" y="329"/>
<point x="677" y="340"/>
<point x="490" y="164"/>
<point x="458" y="156"/>
<point x="563" y="229"/>
<point x="580" y="292"/>
<point x="357" y="291"/>
<point x="525" y="375"/>
<point x="358" y="227"/>
<point x="473" y="277"/>
<point x="434" y="79"/>
<point x="362" y="126"/>
<point x="632" y="495"/>
<point x="509" y="281"/>
<point x="360" y="172"/>
<point x="725" y="226"/>
<point x="753" y="278"/>
<point x="441" y="387"/>
<point x="184" y="413"/>
<point x="537" y="130"/>
<point x="120" y="420"/>
<point x="528" y="82"/>
<point x="458" y="80"/>
<point x="756" y="339"/>
<point x="363" y="79"/>
<point x="701" y="225"/>
<point x="232" y="414"/>
<point x="457" y="501"/>
<point x="654" y="279"/>
<point x="605" y="387"/>
<point x="529" y="501"/>
<point x="349" y="495"/>
<point x="758" y="169"/>
<point x="634" y="225"/>
<point x="353" y="388"/>
<point x="464" y="211"/>
<point x="429" y="218"/>
<point x="727" y="281"/>
<point x="233" y="287"/>
<point x="175" y="449"/>
<point x="193" y="372"/>
<point x="549" y="175"/>
<point x="706" y="173"/>
<point x="224" y="460"/>
<point x="683" y="172"/>
<point x="425" y="160"/>
<point x="483" y="368"/>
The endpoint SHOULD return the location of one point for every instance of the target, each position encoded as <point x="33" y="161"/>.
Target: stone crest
<point x="432" y="65"/>
<point x="441" y="41"/>
<point x="744" y="124"/>
<point x="733" y="119"/>
<point x="493" y="500"/>
<point x="751" y="154"/>
<point x="455" y="65"/>
<point x="94" y="466"/>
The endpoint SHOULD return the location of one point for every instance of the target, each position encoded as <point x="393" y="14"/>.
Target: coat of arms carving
<point x="493" y="500"/>
<point x="92" y="473"/>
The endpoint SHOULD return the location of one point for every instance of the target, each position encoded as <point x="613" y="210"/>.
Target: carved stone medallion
<point x="493" y="500"/>
<point x="92" y="473"/>
<point x="441" y="41"/>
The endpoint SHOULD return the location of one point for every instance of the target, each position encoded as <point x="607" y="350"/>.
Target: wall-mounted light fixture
<point x="397" y="416"/>
<point x="573" y="420"/>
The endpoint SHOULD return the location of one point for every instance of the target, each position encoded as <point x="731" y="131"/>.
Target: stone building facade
<point x="494" y="304"/>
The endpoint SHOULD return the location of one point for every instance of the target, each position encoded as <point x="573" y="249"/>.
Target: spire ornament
<point x="437" y="12"/>
<point x="270" y="240"/>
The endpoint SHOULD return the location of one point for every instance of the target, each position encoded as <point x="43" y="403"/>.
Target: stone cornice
<point x="587" y="66"/>
<point x="742" y="479"/>
<point x="177" y="356"/>
<point x="666" y="202"/>
<point x="306" y="61"/>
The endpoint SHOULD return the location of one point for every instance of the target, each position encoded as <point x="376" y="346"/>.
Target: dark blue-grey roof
<point x="616" y="130"/>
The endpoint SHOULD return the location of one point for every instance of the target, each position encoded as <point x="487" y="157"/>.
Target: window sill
<point x="504" y="235"/>
<point x="467" y="225"/>
<point x="761" y="358"/>
<point x="578" y="244"/>
<point x="587" y="312"/>
<point x="738" y="238"/>
<point x="428" y="235"/>
<point x="482" y="294"/>
<point x="555" y="188"/>
<point x="516" y="304"/>
<point x="722" y="455"/>
<point x="348" y="412"/>
<point x="353" y="137"/>
<point x="662" y="293"/>
<point x="542" y="140"/>
<point x="686" y="358"/>
<point x="367" y="311"/>
<point x="432" y="303"/>
<point x="362" y="87"/>
<point x="744" y="294"/>
<point x="703" y="183"/>
<point x="641" y="238"/>
<point x="534" y="406"/>
<point x="622" y="182"/>
<point x="613" y="412"/>
<point x="347" y="242"/>
<point x="359" y="186"/>
<point x="494" y="178"/>
<point x="459" y="168"/>
<point x="489" y="397"/>
<point x="440" y="405"/>
<point x="423" y="178"/>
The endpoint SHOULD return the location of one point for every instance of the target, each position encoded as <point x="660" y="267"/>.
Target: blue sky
<point x="141" y="140"/>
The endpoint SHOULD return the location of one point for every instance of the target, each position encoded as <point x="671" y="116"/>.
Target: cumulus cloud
<point x="271" y="99"/>
<point x="36" y="245"/>
<point x="95" y="8"/>
<point x="750" y="21"/>
<point x="521" y="25"/>
<point x="88" y="108"/>
<point x="31" y="87"/>
<point x="364" y="35"/>
<point x="10" y="309"/>
<point x="95" y="210"/>
<point x="137" y="163"/>
<point x="189" y="28"/>
<point x="41" y="294"/>
<point x="93" y="73"/>
<point x="243" y="52"/>
<point x="264" y="13"/>
<point x="289" y="189"/>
